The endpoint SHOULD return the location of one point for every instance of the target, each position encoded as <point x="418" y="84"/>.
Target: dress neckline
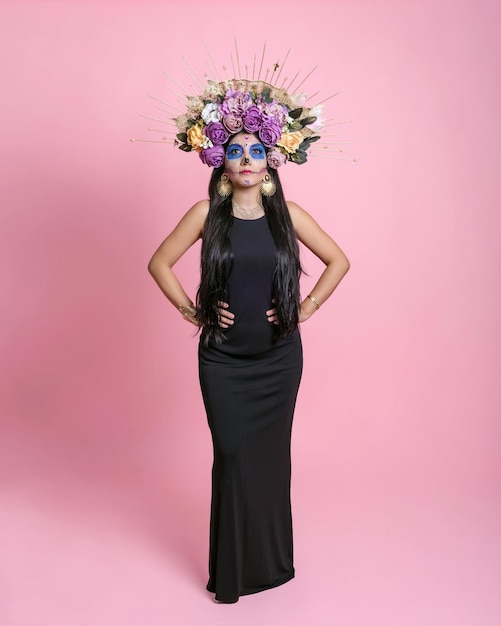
<point x="241" y="219"/>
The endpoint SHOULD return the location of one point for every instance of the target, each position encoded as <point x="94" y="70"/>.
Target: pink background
<point x="105" y="452"/>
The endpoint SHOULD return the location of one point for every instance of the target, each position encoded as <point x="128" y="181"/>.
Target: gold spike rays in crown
<point x="270" y="81"/>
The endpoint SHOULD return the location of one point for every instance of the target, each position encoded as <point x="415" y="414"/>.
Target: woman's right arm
<point x="184" y="235"/>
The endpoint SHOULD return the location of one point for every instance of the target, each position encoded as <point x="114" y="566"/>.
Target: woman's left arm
<point x="327" y="250"/>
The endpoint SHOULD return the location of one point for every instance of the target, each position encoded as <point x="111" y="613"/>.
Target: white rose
<point x="211" y="113"/>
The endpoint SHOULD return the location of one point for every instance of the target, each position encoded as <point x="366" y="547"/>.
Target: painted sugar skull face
<point x="245" y="160"/>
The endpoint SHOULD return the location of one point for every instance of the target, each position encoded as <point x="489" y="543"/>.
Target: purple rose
<point x="217" y="133"/>
<point x="213" y="157"/>
<point x="269" y="133"/>
<point x="274" y="110"/>
<point x="276" y="158"/>
<point x="253" y="119"/>
<point x="235" y="102"/>
<point x="233" y="123"/>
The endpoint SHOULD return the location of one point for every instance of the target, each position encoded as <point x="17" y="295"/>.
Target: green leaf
<point x="308" y="120"/>
<point x="305" y="144"/>
<point x="299" y="157"/>
<point x="266" y="94"/>
<point x="182" y="137"/>
<point x="295" y="126"/>
<point x="185" y="147"/>
<point x="295" y="113"/>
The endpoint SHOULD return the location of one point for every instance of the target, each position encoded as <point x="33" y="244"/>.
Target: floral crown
<point x="281" y="122"/>
<point x="224" y="107"/>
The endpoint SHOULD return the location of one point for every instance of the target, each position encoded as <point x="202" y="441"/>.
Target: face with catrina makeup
<point x="245" y="161"/>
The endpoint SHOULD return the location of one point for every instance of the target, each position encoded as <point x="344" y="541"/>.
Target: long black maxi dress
<point x="249" y="386"/>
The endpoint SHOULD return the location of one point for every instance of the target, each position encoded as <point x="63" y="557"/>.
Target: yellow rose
<point x="290" y="141"/>
<point x="195" y="137"/>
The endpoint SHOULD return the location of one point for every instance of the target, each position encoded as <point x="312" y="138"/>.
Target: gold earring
<point x="267" y="186"/>
<point x="224" y="186"/>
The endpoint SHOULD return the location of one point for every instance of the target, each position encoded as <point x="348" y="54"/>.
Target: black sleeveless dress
<point x="249" y="385"/>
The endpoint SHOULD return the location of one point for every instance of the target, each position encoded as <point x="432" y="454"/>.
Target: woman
<point x="248" y="308"/>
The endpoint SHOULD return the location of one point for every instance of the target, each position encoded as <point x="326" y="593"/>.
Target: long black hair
<point x="216" y="260"/>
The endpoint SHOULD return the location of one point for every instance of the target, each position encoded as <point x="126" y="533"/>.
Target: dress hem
<point x="248" y="592"/>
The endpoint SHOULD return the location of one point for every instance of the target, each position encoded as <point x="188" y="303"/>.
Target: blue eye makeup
<point x="234" y="151"/>
<point x="257" y="151"/>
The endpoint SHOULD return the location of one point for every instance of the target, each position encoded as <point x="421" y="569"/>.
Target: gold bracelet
<point x="189" y="312"/>
<point x="317" y="306"/>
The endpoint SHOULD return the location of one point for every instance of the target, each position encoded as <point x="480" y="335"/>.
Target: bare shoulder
<point x="313" y="236"/>
<point x="298" y="215"/>
<point x="200" y="209"/>
<point x="194" y="218"/>
<point x="293" y="206"/>
<point x="201" y="206"/>
<point x="189" y="229"/>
